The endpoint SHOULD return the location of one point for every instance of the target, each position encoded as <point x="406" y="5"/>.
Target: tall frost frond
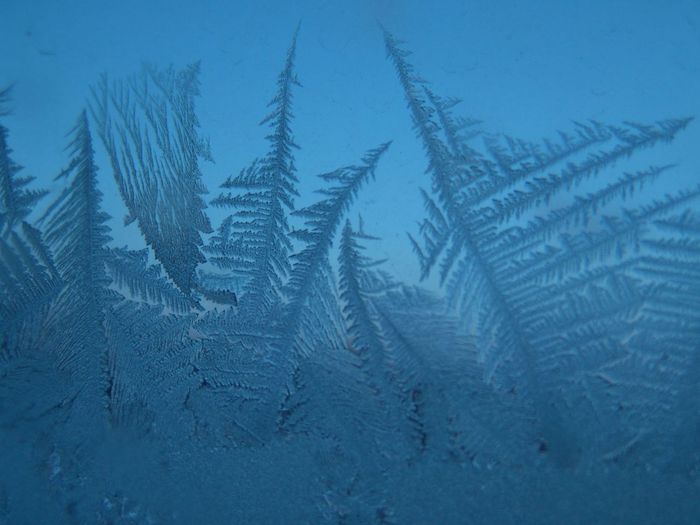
<point x="322" y="219"/>
<point x="364" y="336"/>
<point x="76" y="229"/>
<point x="16" y="200"/>
<point x="303" y="327"/>
<point x="28" y="276"/>
<point x="505" y="277"/>
<point x="396" y="375"/>
<point x="261" y="197"/>
<point x="150" y="129"/>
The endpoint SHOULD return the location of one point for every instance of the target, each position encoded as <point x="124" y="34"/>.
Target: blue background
<point x="524" y="68"/>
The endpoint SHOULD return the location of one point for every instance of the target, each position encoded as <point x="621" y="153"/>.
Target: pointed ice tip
<point x="295" y="36"/>
<point x="5" y="95"/>
<point x="372" y="156"/>
<point x="676" y="125"/>
<point x="389" y="39"/>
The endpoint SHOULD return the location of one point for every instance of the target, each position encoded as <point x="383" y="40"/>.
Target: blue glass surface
<point x="365" y="262"/>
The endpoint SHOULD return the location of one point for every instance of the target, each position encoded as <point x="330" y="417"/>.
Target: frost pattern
<point x="268" y="370"/>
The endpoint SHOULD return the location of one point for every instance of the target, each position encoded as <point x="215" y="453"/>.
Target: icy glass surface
<point x="349" y="262"/>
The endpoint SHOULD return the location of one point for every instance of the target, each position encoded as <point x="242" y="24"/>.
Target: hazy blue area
<point x="526" y="350"/>
<point x="524" y="68"/>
